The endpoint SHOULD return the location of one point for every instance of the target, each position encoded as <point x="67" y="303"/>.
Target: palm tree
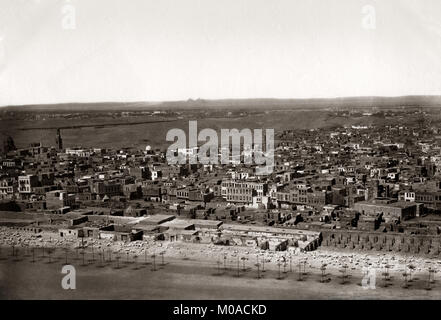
<point x="258" y="270"/>
<point x="387" y="272"/>
<point x="154" y="262"/>
<point x="300" y="272"/>
<point x="279" y="276"/>
<point x="117" y="261"/>
<point x="405" y="284"/>
<point x="386" y="275"/>
<point x="411" y="268"/>
<point x="49" y="252"/>
<point x="323" y="269"/>
<point x="16" y="254"/>
<point x="432" y="271"/>
<point x="305" y="261"/>
<point x="431" y="278"/>
<point x="83" y="253"/>
<point x="100" y="255"/>
<point x="428" y="284"/>
<point x="238" y="270"/>
<point x="225" y="261"/>
<point x="65" y="255"/>
<point x="162" y="258"/>
<point x="185" y="256"/>
<point x="344" y="275"/>
<point x="218" y="266"/>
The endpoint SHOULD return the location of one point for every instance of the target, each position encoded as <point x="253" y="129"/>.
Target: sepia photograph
<point x="243" y="151"/>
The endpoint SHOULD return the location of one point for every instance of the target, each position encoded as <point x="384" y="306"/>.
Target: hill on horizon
<point x="271" y="103"/>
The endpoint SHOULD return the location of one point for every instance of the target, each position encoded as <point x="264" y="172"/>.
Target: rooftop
<point x="177" y="224"/>
<point x="264" y="229"/>
<point x="157" y="219"/>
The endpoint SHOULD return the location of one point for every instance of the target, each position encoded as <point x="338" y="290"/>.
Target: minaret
<point x="58" y="140"/>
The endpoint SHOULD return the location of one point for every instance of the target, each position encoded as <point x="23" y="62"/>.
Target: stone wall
<point x="379" y="241"/>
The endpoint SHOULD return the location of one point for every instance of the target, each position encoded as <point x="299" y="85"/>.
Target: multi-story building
<point x="319" y="198"/>
<point x="238" y="191"/>
<point x="107" y="188"/>
<point x="299" y="195"/>
<point x="391" y="209"/>
<point x="243" y="191"/>
<point x="8" y="187"/>
<point x="26" y="185"/>
<point x="430" y="198"/>
<point x="82" y="153"/>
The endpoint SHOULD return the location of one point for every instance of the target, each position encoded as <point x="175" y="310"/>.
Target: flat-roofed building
<point x="179" y="224"/>
<point x="156" y="219"/>
<point x="206" y="224"/>
<point x="390" y="208"/>
<point x="273" y="238"/>
<point x="181" y="235"/>
<point x="58" y="199"/>
<point x="238" y="191"/>
<point x="83" y="153"/>
<point x="120" y="233"/>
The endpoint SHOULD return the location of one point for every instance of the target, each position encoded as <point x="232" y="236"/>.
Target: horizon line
<point x="158" y="102"/>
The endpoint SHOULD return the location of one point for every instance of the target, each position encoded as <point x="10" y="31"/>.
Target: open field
<point x="22" y="279"/>
<point x="140" y="131"/>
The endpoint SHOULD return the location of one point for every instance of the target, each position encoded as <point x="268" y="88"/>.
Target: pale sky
<point x="150" y="50"/>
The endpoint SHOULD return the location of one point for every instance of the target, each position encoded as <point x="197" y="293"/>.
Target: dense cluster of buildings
<point x="351" y="179"/>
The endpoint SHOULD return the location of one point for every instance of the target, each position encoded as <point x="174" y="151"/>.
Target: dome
<point x="148" y="148"/>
